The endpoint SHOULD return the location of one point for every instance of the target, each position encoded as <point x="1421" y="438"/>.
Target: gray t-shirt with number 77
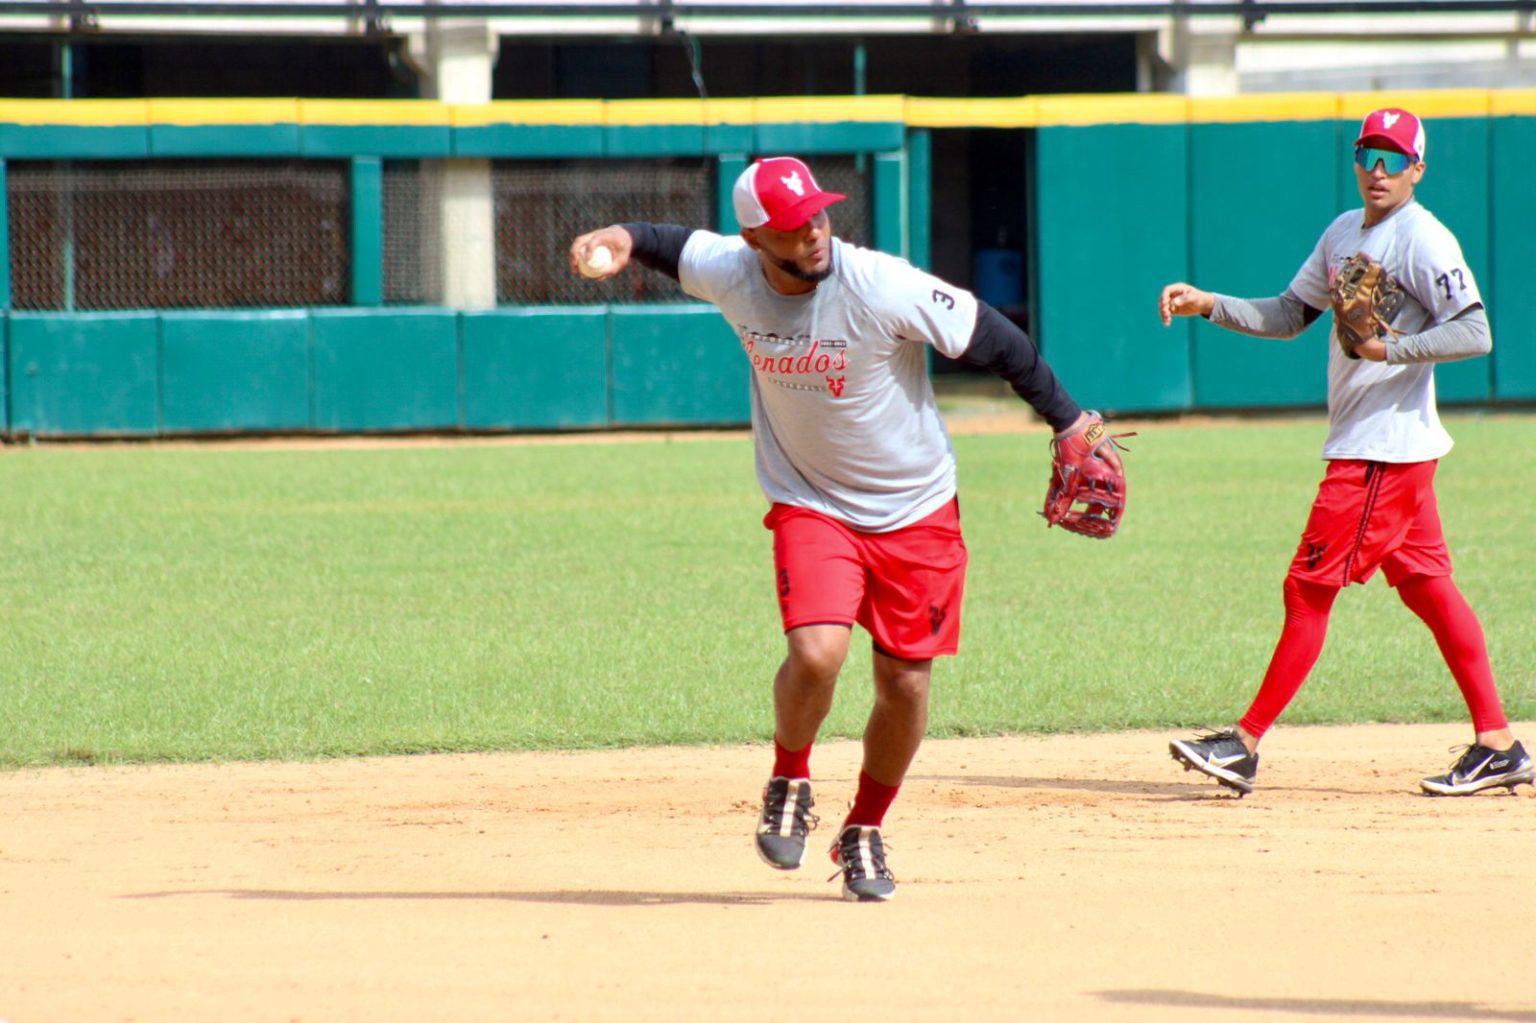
<point x="1386" y="411"/>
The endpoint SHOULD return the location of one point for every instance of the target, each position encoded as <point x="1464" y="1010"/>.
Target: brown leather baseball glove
<point x="1087" y="490"/>
<point x="1365" y="298"/>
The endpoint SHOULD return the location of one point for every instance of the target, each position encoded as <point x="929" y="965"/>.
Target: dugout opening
<point x="980" y="222"/>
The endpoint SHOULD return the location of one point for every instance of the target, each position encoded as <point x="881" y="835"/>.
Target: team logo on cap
<point x="1401" y="128"/>
<point x="779" y="192"/>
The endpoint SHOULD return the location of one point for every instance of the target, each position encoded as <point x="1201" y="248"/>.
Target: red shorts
<point x="904" y="586"/>
<point x="1371" y="515"/>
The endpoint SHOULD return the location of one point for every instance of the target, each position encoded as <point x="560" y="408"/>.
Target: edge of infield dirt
<point x="1049" y="877"/>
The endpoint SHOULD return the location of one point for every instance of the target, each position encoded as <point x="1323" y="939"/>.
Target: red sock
<point x="1306" y="626"/>
<point x="791" y="763"/>
<point x="1436" y="599"/>
<point x="870" y="804"/>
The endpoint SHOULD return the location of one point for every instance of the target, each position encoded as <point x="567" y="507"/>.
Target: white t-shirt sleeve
<point x="709" y="264"/>
<point x="1311" y="282"/>
<point x="913" y="305"/>
<point x="1438" y="275"/>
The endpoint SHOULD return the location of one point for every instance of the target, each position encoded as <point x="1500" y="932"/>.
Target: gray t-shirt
<point x="843" y="414"/>
<point x="1383" y="411"/>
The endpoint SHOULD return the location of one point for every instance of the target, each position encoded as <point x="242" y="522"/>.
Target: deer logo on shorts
<point x="835" y="385"/>
<point x="783" y="582"/>
<point x="936" y="616"/>
<point x="1315" y="554"/>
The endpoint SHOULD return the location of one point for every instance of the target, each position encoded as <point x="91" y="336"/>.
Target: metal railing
<point x="86" y="12"/>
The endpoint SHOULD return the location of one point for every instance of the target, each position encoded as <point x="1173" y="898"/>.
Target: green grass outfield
<point x="215" y="603"/>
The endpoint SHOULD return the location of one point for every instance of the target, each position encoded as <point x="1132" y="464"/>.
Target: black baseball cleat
<point x="1482" y="768"/>
<point x="859" y="853"/>
<point x="1221" y="755"/>
<point x="785" y="821"/>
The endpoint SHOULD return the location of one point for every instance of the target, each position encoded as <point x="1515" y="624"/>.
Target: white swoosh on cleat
<point x="1470" y="775"/>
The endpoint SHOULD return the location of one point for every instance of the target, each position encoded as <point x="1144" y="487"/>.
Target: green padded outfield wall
<point x="147" y="373"/>
<point x="234" y="371"/>
<point x="1514" y="258"/>
<point x="360" y="369"/>
<point x="535" y="369"/>
<point x="84" y="373"/>
<point x="1127" y="193"/>
<point x="1250" y="224"/>
<point x="1284" y="231"/>
<point x="1113" y="228"/>
<point x="1254" y="219"/>
<point x="890" y="203"/>
<point x="675" y="364"/>
<point x="919" y="211"/>
<point x="394" y="369"/>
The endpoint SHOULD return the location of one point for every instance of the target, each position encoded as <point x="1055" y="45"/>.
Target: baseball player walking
<point x="858" y="469"/>
<point x="1403" y="299"/>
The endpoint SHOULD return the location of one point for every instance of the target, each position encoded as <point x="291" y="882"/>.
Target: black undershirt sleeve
<point x="1002" y="348"/>
<point x="658" y="246"/>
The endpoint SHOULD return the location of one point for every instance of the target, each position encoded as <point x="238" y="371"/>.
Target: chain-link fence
<point x="178" y="234"/>
<point x="852" y="219"/>
<point x="541" y="205"/>
<point x="413" y="266"/>
<point x="265" y="233"/>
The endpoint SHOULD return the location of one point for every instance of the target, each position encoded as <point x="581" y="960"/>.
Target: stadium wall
<point x="1232" y="194"/>
<point x="1128" y="193"/>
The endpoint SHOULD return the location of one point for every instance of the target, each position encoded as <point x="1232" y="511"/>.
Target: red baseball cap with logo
<point x="779" y="193"/>
<point x="1399" y="129"/>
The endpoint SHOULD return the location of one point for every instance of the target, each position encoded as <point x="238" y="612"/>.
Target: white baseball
<point x="597" y="261"/>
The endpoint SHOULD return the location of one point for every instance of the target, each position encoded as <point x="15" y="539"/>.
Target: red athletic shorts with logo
<point x="1371" y="515"/>
<point x="904" y="586"/>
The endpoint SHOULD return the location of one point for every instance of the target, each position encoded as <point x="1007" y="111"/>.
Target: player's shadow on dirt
<point x="1331" y="1007"/>
<point x="1197" y="788"/>
<point x="581" y="898"/>
<point x="1168" y="790"/>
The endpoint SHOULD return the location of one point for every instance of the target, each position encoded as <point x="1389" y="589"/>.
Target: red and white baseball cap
<point x="1398" y="128"/>
<point x="779" y="193"/>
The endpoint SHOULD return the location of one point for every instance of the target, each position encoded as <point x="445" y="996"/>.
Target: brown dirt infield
<point x="1042" y="878"/>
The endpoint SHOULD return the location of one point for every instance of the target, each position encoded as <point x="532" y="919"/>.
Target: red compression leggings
<point x="1435" y="599"/>
<point x="1459" y="634"/>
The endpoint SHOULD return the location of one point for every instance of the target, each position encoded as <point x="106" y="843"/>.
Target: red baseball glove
<point x="1087" y="491"/>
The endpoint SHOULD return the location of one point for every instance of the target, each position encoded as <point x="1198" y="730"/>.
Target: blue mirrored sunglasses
<point x="1393" y="162"/>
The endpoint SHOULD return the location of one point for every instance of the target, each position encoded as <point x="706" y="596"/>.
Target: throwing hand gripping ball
<point x="596" y="261"/>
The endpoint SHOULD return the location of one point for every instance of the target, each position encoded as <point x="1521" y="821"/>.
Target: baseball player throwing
<point x="1403" y="299"/>
<point x="859" y="472"/>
